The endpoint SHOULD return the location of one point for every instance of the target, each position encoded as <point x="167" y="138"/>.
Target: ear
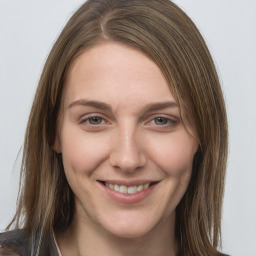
<point x="56" y="146"/>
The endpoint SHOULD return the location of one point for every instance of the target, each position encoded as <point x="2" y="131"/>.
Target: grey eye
<point x="95" y="120"/>
<point x="161" y="120"/>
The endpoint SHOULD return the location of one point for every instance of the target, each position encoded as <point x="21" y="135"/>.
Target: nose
<point x="127" y="152"/>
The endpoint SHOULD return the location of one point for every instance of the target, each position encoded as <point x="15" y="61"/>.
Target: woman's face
<point x="127" y="156"/>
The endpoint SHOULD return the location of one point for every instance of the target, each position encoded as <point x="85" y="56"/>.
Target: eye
<point x="95" y="120"/>
<point x="161" y="120"/>
<point x="94" y="123"/>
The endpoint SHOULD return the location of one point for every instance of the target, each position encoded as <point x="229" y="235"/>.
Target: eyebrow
<point x="104" y="106"/>
<point x="91" y="103"/>
<point x="159" y="105"/>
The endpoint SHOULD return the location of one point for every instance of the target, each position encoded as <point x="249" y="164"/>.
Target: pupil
<point x="161" y="120"/>
<point x="95" y="120"/>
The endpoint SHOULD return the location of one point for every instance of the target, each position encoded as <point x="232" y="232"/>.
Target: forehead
<point x="112" y="71"/>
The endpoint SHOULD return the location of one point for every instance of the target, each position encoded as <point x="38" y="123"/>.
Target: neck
<point x="86" y="239"/>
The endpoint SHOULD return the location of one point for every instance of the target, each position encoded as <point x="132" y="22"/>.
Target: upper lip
<point x="128" y="183"/>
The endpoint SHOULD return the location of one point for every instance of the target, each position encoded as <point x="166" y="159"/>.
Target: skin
<point x="137" y="137"/>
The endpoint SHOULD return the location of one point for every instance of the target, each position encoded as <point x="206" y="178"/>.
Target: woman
<point x="126" y="144"/>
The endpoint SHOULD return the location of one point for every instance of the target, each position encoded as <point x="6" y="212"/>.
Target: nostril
<point x="127" y="163"/>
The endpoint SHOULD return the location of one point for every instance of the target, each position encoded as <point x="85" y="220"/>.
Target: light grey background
<point x="28" y="29"/>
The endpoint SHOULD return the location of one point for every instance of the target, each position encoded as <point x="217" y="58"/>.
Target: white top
<point x="58" y="249"/>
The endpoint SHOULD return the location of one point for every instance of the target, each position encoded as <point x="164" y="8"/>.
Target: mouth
<point x="126" y="189"/>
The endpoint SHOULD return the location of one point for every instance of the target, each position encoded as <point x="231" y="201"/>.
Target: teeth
<point x="140" y="187"/>
<point x="124" y="189"/>
<point x="145" y="186"/>
<point x="132" y="189"/>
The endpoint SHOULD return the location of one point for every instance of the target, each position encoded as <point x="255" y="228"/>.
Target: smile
<point x="127" y="190"/>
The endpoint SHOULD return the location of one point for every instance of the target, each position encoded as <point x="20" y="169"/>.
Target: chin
<point x="130" y="233"/>
<point x="132" y="228"/>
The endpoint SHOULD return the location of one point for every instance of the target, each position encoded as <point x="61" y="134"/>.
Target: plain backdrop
<point x="28" y="29"/>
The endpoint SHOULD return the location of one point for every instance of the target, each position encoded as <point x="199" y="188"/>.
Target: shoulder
<point x="14" y="242"/>
<point x="18" y="243"/>
<point x="13" y="235"/>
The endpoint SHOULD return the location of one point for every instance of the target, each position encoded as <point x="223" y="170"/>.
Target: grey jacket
<point x="17" y="242"/>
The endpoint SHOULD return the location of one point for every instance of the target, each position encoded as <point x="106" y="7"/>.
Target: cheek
<point x="174" y="153"/>
<point x="82" y="152"/>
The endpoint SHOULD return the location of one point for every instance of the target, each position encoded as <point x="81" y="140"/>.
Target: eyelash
<point x="169" y="122"/>
<point x="88" y="118"/>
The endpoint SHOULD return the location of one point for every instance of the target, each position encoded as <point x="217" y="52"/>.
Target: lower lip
<point x="128" y="198"/>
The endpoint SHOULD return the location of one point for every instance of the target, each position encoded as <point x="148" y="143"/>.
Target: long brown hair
<point x="162" y="31"/>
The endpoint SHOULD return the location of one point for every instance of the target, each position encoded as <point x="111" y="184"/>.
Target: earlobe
<point x="56" y="146"/>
